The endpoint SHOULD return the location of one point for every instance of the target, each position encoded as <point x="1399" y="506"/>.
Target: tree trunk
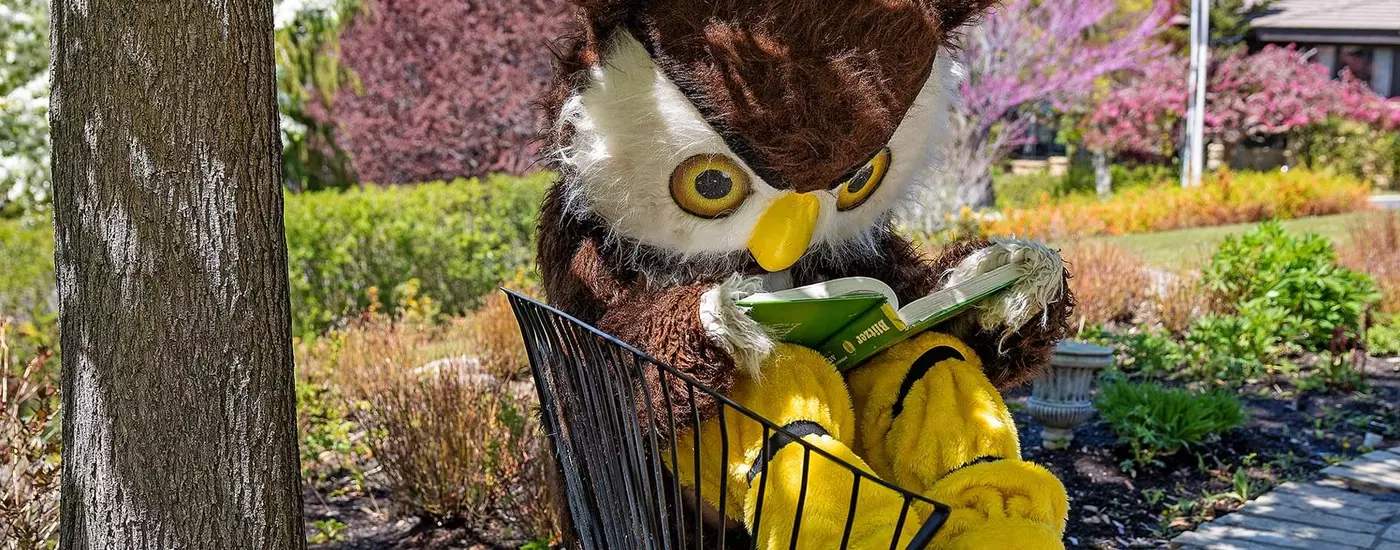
<point x="1103" y="175"/>
<point x="179" y="410"/>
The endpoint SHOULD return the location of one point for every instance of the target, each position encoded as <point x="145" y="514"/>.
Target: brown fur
<point x="1025" y="353"/>
<point x="586" y="275"/>
<point x="777" y="87"/>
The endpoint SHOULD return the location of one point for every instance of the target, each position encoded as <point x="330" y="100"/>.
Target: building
<point x="1362" y="36"/>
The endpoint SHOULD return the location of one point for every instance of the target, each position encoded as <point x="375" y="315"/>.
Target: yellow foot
<point x="1007" y="503"/>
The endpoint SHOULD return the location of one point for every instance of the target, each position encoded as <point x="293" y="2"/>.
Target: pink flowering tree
<point x="1142" y="116"/>
<point x="1268" y="93"/>
<point x="1027" y="55"/>
<point x="445" y="88"/>
<point x="1275" y="91"/>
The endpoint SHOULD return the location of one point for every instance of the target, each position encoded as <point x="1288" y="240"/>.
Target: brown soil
<point x="1286" y="439"/>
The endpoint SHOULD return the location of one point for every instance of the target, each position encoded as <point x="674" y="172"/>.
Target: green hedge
<point x="26" y="267"/>
<point x="457" y="240"/>
<point x="1029" y="190"/>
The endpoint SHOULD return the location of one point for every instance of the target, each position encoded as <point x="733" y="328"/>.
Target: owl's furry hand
<point x="1042" y="282"/>
<point x="729" y="326"/>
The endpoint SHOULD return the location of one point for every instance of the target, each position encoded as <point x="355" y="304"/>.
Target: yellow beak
<point x="784" y="231"/>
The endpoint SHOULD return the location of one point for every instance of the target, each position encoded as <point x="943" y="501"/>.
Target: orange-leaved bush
<point x="1109" y="282"/>
<point x="1223" y="198"/>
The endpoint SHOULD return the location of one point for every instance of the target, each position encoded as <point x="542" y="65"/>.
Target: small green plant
<point x="1383" y="338"/>
<point x="1294" y="280"/>
<point x="538" y="544"/>
<point x="327" y="530"/>
<point x="1156" y="421"/>
<point x="1246" y="489"/>
<point x="1240" y="347"/>
<point x="1150" y="353"/>
<point x="331" y="442"/>
<point x="1336" y="371"/>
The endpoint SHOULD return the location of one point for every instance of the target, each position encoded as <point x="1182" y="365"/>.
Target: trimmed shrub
<point x="1156" y="421"/>
<point x="445" y="87"/>
<point x="1080" y="179"/>
<point x="1026" y="190"/>
<point x="1224" y="198"/>
<point x="445" y="244"/>
<point x="1029" y="190"/>
<point x="458" y="240"/>
<point x="1292" y="285"/>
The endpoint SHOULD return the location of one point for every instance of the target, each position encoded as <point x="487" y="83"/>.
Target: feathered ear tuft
<point x="956" y="13"/>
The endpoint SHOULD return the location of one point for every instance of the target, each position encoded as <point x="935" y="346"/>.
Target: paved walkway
<point x="1356" y="507"/>
<point x="1386" y="201"/>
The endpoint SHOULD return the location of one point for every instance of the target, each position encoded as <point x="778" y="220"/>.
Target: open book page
<point x="811" y="322"/>
<point x="848" y="286"/>
<point x="848" y="320"/>
<point x="968" y="292"/>
<point x="809" y="315"/>
<point x="882" y="327"/>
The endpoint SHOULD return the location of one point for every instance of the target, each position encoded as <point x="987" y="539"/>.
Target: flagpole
<point x="1193" y="152"/>
<point x="1198" y="155"/>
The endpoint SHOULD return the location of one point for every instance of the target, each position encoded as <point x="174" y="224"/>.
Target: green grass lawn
<point x="1171" y="249"/>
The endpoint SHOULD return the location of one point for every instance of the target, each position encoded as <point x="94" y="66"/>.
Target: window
<point x="1358" y="60"/>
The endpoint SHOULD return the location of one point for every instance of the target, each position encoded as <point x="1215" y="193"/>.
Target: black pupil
<point x="714" y="184"/>
<point x="860" y="180"/>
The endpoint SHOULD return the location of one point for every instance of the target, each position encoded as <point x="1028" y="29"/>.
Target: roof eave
<point x="1328" y="36"/>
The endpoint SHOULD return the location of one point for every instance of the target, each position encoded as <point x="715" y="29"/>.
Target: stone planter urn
<point x="1060" y="398"/>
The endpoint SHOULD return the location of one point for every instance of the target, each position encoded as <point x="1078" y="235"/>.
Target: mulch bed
<point x="1287" y="438"/>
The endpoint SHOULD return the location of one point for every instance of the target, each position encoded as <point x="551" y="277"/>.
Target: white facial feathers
<point x="632" y="126"/>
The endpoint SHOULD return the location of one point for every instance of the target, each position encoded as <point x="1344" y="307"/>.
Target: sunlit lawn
<point x="1170" y="249"/>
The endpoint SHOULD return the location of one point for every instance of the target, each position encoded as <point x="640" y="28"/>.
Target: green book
<point x="849" y="320"/>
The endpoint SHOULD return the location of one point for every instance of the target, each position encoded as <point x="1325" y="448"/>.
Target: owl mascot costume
<point x="710" y="149"/>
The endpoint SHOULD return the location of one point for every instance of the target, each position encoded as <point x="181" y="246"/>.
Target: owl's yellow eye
<point x="864" y="183"/>
<point x="709" y="186"/>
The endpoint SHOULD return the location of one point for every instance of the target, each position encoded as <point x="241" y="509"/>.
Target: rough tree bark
<point x="179" y="410"/>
